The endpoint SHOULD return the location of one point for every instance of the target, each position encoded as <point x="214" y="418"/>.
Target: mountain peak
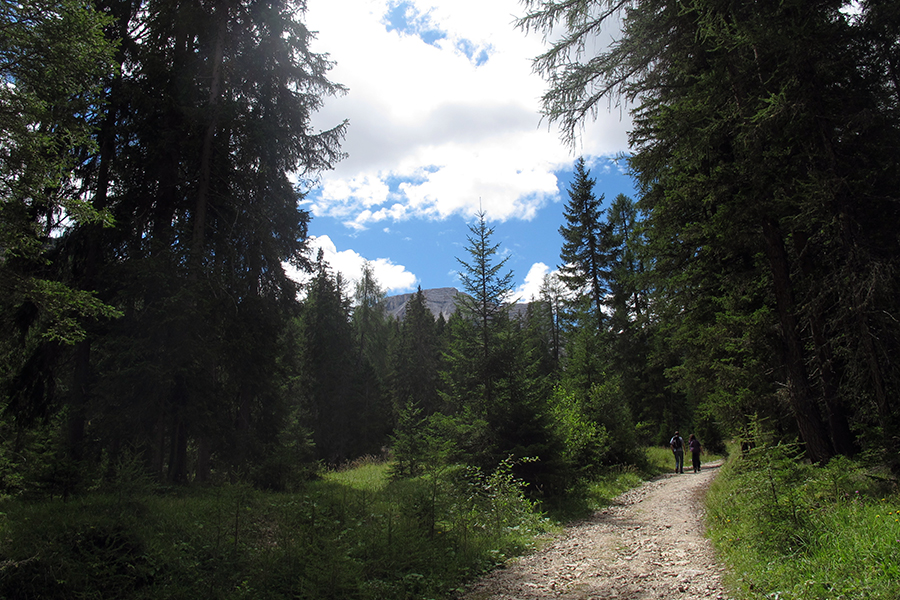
<point x="440" y="301"/>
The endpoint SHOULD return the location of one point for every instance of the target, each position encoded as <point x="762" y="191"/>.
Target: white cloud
<point x="393" y="279"/>
<point x="434" y="133"/>
<point x="531" y="289"/>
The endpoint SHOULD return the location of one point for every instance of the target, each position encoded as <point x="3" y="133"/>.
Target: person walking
<point x="694" y="445"/>
<point x="677" y="444"/>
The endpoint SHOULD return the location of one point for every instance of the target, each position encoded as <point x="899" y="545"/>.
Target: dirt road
<point x="648" y="545"/>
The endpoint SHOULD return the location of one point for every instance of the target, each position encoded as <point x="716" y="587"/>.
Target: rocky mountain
<point x="441" y="301"/>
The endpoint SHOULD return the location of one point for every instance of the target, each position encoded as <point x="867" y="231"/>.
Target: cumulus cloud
<point x="531" y="289"/>
<point x="444" y="113"/>
<point x="393" y="278"/>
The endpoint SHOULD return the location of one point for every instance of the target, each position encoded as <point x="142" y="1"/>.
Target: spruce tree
<point x="493" y="383"/>
<point x="204" y="129"/>
<point x="760" y="148"/>
<point x="417" y="359"/>
<point x="584" y="262"/>
<point x="584" y="271"/>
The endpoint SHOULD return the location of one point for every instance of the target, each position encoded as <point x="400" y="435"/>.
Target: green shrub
<point x="353" y="534"/>
<point x="796" y="531"/>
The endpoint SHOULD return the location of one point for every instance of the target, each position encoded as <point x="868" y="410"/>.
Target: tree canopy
<point x="760" y="140"/>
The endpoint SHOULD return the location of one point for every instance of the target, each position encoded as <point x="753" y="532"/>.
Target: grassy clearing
<point x="352" y="534"/>
<point x="792" y="531"/>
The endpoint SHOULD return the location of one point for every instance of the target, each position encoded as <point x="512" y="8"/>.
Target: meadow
<point x="785" y="529"/>
<point x="789" y="530"/>
<point x="352" y="533"/>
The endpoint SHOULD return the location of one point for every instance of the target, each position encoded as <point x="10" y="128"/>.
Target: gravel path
<point x="648" y="545"/>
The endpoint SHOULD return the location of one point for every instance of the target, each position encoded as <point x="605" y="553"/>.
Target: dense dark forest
<point x="149" y="206"/>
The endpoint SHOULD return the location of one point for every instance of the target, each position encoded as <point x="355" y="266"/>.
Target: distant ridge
<point x="440" y="301"/>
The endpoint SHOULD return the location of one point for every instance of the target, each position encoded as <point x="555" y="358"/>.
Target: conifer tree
<point x="203" y="131"/>
<point x="485" y="306"/>
<point x="759" y="144"/>
<point x="493" y="385"/>
<point x="417" y="359"/>
<point x="45" y="124"/>
<point x="584" y="262"/>
<point x="328" y="364"/>
<point x="584" y="271"/>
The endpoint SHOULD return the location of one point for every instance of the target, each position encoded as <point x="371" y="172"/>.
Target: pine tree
<point x="203" y="130"/>
<point x="759" y="144"/>
<point x="584" y="262"/>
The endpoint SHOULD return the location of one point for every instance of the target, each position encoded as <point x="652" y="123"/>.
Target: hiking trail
<point x="648" y="544"/>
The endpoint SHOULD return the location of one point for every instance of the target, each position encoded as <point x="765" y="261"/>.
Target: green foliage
<point x="768" y="228"/>
<point x="586" y="441"/>
<point x="53" y="59"/>
<point x="792" y="530"/>
<point x="419" y="442"/>
<point x="353" y="534"/>
<point x="416" y="359"/>
<point x="583" y="254"/>
<point x="608" y="409"/>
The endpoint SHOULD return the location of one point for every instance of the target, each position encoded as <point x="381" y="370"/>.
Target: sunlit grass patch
<point x="793" y="531"/>
<point x="367" y="475"/>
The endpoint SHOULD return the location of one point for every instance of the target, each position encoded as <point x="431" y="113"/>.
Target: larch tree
<point x="759" y="146"/>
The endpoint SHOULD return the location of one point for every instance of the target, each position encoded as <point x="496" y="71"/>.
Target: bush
<point x="796" y="531"/>
<point x="352" y="534"/>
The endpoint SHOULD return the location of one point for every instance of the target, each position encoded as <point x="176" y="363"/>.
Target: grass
<point x="598" y="493"/>
<point x="788" y="530"/>
<point x="352" y="534"/>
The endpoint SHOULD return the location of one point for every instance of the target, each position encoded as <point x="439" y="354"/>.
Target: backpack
<point x="677" y="443"/>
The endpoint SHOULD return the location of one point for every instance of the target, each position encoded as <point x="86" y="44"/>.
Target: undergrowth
<point x="353" y="534"/>
<point x="356" y="533"/>
<point x="790" y="530"/>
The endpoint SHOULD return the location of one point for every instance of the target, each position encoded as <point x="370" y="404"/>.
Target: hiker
<point x="694" y="445"/>
<point x="677" y="445"/>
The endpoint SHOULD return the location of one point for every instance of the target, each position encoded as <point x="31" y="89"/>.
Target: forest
<point x="149" y="206"/>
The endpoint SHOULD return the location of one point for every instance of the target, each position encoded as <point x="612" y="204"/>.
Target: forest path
<point x="649" y="544"/>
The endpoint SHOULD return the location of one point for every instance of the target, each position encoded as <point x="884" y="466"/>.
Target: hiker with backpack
<point x="694" y="445"/>
<point x="677" y="445"/>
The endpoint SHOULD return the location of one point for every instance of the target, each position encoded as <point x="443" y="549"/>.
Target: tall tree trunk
<point x="842" y="437"/>
<point x="215" y="87"/>
<point x="159" y="442"/>
<point x="203" y="458"/>
<point x="806" y="412"/>
<point x="178" y="451"/>
<point x="78" y="401"/>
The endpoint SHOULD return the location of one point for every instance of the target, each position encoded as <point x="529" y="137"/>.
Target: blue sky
<point x="444" y="114"/>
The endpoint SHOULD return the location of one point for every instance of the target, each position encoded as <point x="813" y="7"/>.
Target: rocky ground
<point x="648" y="545"/>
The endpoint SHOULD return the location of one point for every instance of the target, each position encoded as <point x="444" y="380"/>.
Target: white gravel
<point x="649" y="544"/>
